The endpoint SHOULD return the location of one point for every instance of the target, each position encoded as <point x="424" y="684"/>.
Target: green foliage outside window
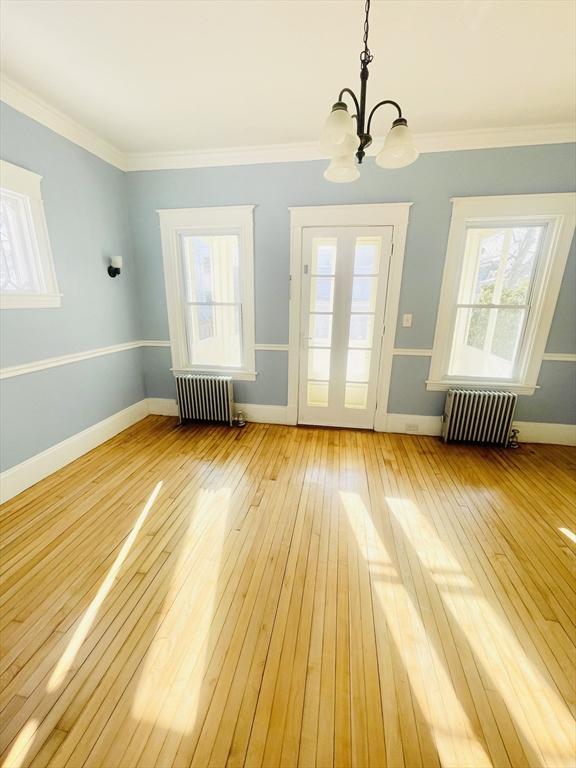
<point x="507" y="320"/>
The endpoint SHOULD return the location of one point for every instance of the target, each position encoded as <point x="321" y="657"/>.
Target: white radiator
<point x="477" y="416"/>
<point x="204" y="398"/>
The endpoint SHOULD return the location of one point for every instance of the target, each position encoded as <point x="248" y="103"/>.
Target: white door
<point x="345" y="275"/>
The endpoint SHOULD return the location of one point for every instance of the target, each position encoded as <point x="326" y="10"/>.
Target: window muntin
<point x="26" y="270"/>
<point x="322" y="283"/>
<point x="361" y="326"/>
<point x="496" y="286"/>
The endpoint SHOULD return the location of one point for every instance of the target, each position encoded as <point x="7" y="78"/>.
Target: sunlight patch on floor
<point x="67" y="659"/>
<point x="449" y="724"/>
<point x="567" y="532"/>
<point x="169" y="688"/>
<point x="21" y="746"/>
<point x="536" y="708"/>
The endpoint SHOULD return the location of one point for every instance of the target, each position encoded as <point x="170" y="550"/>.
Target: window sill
<point x="235" y="374"/>
<point x="30" y="300"/>
<point x="443" y="386"/>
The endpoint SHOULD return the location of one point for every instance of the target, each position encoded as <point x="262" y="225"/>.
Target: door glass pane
<point x="358" y="368"/>
<point x="211" y="268"/>
<point x="213" y="335"/>
<point x="321" y="294"/>
<point x="319" y="364"/>
<point x="502" y="262"/>
<point x="320" y="330"/>
<point x="486" y="342"/>
<point x="318" y="393"/>
<point x="324" y="256"/>
<point x="361" y="331"/>
<point x="364" y="294"/>
<point x="367" y="256"/>
<point x="355" y="395"/>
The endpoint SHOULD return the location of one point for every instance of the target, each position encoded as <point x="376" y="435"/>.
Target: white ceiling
<point x="165" y="75"/>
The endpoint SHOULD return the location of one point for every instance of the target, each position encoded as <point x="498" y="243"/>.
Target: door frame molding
<point x="369" y="215"/>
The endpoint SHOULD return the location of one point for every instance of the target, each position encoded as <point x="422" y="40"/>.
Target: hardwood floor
<point x="281" y="596"/>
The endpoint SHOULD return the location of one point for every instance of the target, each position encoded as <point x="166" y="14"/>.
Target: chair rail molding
<point x="75" y="357"/>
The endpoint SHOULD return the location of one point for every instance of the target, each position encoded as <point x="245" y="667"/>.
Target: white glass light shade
<point x="116" y="262"/>
<point x="342" y="169"/>
<point x="337" y="128"/>
<point x="399" y="149"/>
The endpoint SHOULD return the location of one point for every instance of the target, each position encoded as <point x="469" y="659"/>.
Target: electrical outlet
<point x="410" y="427"/>
<point x="407" y="321"/>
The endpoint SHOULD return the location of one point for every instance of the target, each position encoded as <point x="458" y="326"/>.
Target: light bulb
<point x="399" y="149"/>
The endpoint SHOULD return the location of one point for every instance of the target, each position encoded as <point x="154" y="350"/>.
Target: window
<point x="504" y="266"/>
<point x="208" y="266"/>
<point x="27" y="276"/>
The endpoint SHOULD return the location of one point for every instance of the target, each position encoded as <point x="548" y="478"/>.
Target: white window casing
<point x="216" y="223"/>
<point x="554" y="215"/>
<point x="29" y="279"/>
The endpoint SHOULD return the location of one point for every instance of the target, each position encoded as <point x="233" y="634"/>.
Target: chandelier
<point x="342" y="138"/>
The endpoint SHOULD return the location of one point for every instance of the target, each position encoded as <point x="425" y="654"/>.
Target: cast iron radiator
<point x="476" y="416"/>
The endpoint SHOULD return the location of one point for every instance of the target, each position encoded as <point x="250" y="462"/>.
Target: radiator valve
<point x="513" y="440"/>
<point x="239" y="420"/>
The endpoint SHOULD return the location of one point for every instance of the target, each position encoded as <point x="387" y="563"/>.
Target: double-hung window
<point x="27" y="277"/>
<point x="208" y="269"/>
<point x="504" y="265"/>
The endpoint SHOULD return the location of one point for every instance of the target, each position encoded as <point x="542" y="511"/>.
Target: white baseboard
<point x="408" y="424"/>
<point x="540" y="432"/>
<point x="16" y="479"/>
<point x="263" y="414"/>
<point x="162" y="406"/>
<point x="530" y="431"/>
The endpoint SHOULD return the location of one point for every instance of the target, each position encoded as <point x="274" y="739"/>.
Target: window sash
<point x="492" y="306"/>
<point x="217" y="343"/>
<point x="214" y="303"/>
<point x="462" y="345"/>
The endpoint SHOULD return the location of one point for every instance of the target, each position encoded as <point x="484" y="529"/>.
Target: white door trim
<point x="377" y="214"/>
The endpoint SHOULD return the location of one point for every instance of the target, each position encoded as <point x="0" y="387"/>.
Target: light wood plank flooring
<point x="282" y="596"/>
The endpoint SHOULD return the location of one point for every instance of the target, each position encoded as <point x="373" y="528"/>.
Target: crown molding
<point x="449" y="141"/>
<point x="209" y="158"/>
<point x="26" y="102"/>
<point x="494" y="138"/>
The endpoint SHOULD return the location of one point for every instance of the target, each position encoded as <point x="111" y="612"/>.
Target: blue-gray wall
<point x="93" y="211"/>
<point x="429" y="184"/>
<point x="85" y="204"/>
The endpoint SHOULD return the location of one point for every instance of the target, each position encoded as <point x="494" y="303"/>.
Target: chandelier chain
<point x="366" y="57"/>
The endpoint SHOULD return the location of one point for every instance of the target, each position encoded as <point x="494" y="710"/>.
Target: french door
<point x="344" y="281"/>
